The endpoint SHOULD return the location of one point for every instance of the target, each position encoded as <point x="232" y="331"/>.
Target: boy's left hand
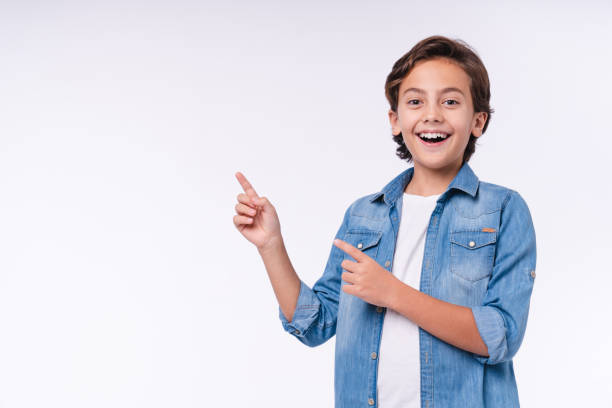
<point x="367" y="279"/>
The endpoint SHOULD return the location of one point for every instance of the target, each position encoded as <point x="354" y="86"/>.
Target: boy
<point x="428" y="283"/>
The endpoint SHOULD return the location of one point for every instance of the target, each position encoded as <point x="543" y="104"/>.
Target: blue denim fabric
<point x="480" y="252"/>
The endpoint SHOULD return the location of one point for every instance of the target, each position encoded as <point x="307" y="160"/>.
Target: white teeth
<point x="432" y="135"/>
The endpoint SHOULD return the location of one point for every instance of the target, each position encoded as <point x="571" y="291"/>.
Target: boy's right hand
<point x="256" y="217"/>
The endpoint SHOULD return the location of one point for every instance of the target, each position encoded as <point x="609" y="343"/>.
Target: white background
<point x="123" y="281"/>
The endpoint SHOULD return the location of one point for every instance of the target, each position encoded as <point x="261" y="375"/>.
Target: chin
<point x="434" y="163"/>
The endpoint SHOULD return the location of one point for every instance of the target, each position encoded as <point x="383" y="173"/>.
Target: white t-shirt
<point x="399" y="365"/>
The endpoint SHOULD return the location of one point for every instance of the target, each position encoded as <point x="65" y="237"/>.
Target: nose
<point x="432" y="114"/>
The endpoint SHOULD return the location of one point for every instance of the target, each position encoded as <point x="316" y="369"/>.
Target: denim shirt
<point x="480" y="252"/>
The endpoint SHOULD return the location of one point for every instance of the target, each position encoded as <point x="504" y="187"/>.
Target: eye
<point x="452" y="100"/>
<point x="412" y="100"/>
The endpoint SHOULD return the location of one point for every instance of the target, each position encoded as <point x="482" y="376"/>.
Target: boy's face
<point x="424" y="104"/>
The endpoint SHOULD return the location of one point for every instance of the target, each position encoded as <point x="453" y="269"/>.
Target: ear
<point x="480" y="118"/>
<point x="394" y="120"/>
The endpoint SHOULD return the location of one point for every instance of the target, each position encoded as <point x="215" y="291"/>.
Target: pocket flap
<point x="363" y="239"/>
<point x="473" y="239"/>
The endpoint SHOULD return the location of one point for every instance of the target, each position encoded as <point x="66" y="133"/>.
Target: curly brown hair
<point x="462" y="54"/>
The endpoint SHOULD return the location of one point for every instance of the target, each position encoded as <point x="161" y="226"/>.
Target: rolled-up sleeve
<point x="502" y="317"/>
<point x="316" y="311"/>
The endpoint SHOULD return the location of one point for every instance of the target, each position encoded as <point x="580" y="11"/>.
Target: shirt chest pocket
<point x="472" y="254"/>
<point x="365" y="240"/>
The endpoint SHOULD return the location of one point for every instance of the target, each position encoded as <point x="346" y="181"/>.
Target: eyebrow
<point x="445" y="90"/>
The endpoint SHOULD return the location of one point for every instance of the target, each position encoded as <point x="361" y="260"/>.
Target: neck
<point x="426" y="181"/>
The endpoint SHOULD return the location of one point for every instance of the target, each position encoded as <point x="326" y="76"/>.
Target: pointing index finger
<point x="246" y="186"/>
<point x="349" y="249"/>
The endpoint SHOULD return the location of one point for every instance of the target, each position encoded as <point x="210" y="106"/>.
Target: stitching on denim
<point x="477" y="216"/>
<point x="506" y="199"/>
<point x="307" y="307"/>
<point x="369" y="218"/>
<point x="453" y="263"/>
<point x="503" y="205"/>
<point x="456" y="241"/>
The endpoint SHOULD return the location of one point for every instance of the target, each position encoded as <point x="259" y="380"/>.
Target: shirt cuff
<point x="306" y="312"/>
<point x="492" y="329"/>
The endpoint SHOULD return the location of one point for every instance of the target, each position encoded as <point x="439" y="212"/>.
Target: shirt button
<point x="379" y="309"/>
<point x="387" y="263"/>
<point x="370" y="401"/>
<point x="533" y="274"/>
<point x="472" y="243"/>
<point x="360" y="245"/>
<point x="296" y="332"/>
<point x="373" y="355"/>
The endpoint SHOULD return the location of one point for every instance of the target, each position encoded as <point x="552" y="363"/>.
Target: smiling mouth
<point x="433" y="139"/>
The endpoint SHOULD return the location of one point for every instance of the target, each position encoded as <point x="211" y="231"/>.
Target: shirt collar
<point x="465" y="180"/>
